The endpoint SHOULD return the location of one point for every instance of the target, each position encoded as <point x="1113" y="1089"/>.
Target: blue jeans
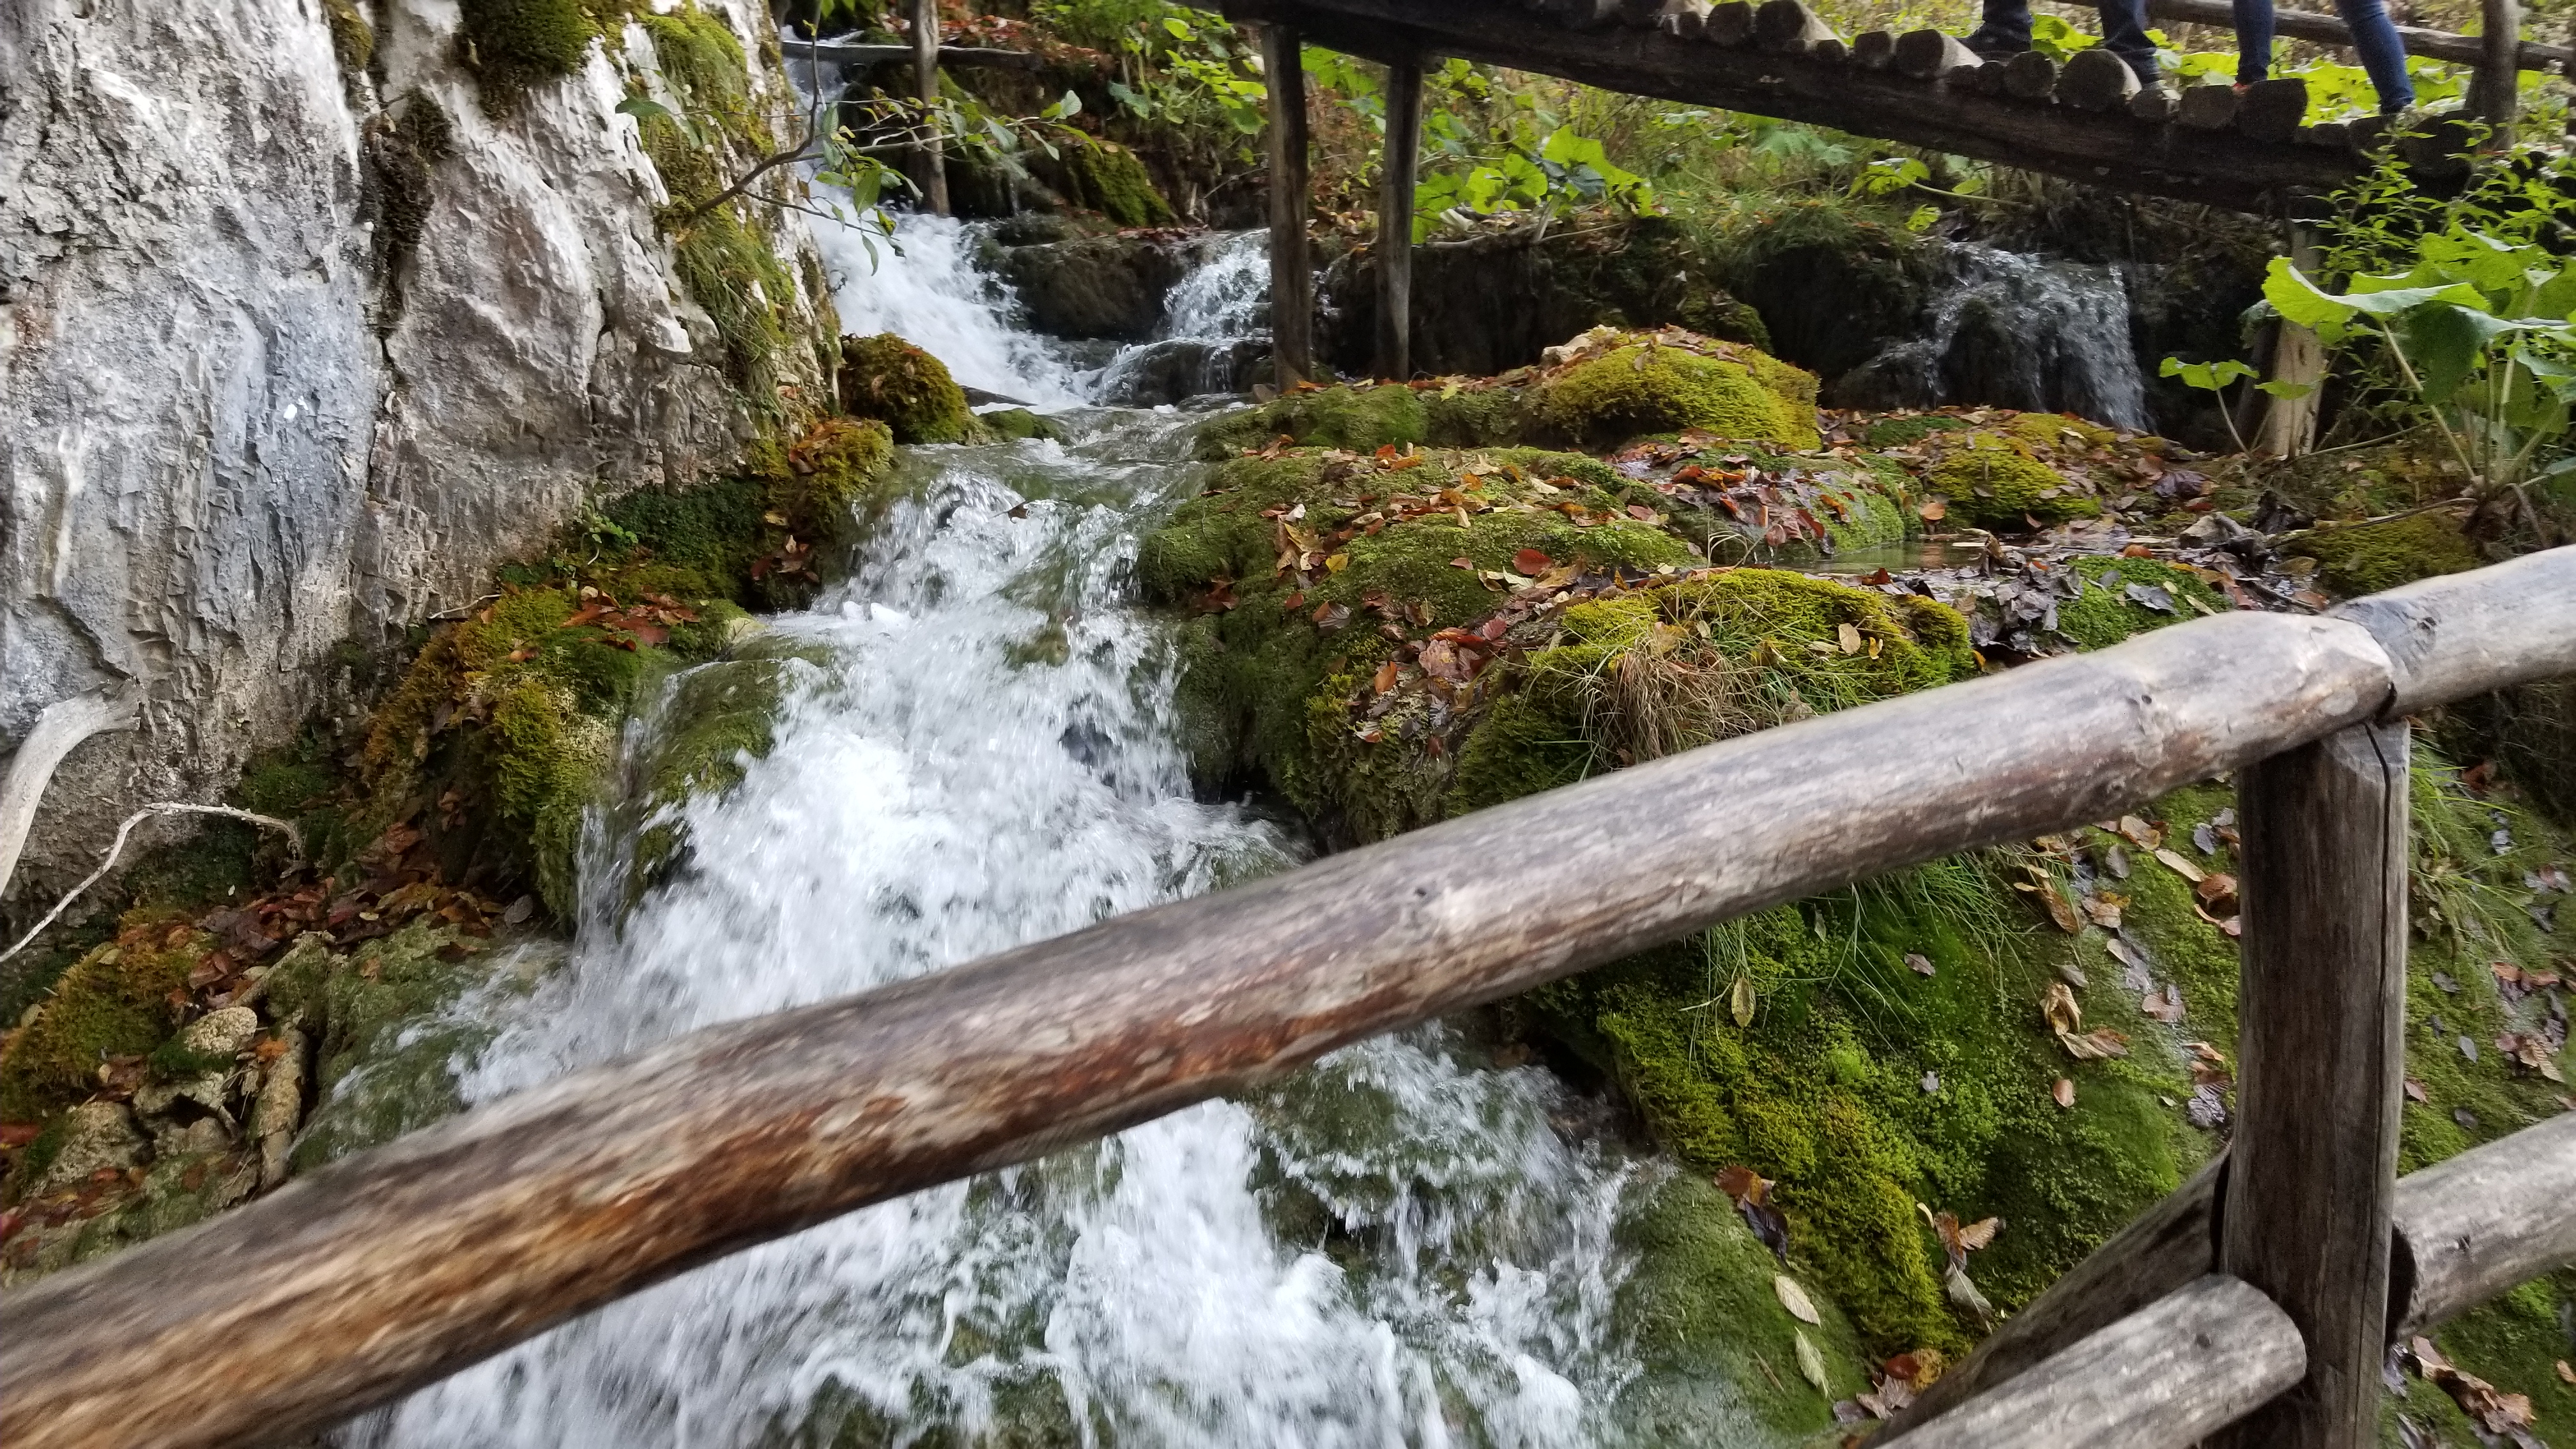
<point x="2006" y="27"/>
<point x="2383" y="56"/>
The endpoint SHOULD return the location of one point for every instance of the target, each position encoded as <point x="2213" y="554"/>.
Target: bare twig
<point x="294" y="842"/>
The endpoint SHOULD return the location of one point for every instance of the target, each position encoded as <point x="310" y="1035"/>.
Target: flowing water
<point x="2014" y="331"/>
<point x="1405" y="1245"/>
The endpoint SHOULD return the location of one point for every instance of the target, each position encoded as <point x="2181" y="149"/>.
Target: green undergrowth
<point x="513" y="45"/>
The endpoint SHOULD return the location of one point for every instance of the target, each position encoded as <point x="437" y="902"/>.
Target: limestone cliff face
<point x="294" y="353"/>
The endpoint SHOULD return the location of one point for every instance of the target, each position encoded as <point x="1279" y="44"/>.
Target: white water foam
<point x="1397" y="1247"/>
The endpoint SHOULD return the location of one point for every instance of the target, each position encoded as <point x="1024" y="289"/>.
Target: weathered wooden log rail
<point x="381" y="1273"/>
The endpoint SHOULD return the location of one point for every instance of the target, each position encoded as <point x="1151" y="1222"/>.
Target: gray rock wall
<point x="229" y="441"/>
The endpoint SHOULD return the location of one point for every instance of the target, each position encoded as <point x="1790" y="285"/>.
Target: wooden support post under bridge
<point x="1292" y="277"/>
<point x="932" y="157"/>
<point x="2312" y="1174"/>
<point x="1399" y="162"/>
<point x="2289" y="424"/>
<point x="2496" y="95"/>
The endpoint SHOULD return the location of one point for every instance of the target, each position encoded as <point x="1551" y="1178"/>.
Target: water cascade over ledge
<point x="1405" y="1245"/>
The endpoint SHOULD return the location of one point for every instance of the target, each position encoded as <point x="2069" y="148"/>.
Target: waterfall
<point x="1216" y="328"/>
<point x="922" y="284"/>
<point x="1398" y="1246"/>
<point x="2014" y="331"/>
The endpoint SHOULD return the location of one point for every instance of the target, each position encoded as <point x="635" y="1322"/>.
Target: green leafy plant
<point x="2483" y="333"/>
<point x="2213" y="378"/>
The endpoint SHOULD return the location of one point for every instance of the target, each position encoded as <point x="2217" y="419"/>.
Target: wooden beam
<point x="1398" y="162"/>
<point x="2329" y="30"/>
<point x="1292" y="276"/>
<point x="2485" y="1222"/>
<point x="2161" y="1250"/>
<point x="2163" y="1377"/>
<point x="925" y="81"/>
<point x="2465" y="1231"/>
<point x="836" y="52"/>
<point x="2321" y="1043"/>
<point x="1824" y="88"/>
<point x="349" y="1287"/>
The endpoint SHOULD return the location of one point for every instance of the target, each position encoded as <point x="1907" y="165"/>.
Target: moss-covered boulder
<point x="2369" y="557"/>
<point x="113" y="1003"/>
<point x="1629" y="386"/>
<point x="515" y="44"/>
<point x="1106" y="177"/>
<point x="888" y="379"/>
<point x="1997" y="484"/>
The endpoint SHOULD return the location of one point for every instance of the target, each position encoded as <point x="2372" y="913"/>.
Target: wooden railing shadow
<point x="2260" y="1297"/>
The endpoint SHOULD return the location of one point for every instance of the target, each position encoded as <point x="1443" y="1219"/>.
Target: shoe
<point x="1989" y="45"/>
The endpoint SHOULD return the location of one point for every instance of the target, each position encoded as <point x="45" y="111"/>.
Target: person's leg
<point x="2383" y="55"/>
<point x="2253" y="40"/>
<point x="2124" y="34"/>
<point x="2005" y="29"/>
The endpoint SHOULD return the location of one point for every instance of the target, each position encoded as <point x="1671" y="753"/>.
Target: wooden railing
<point x="381" y="1273"/>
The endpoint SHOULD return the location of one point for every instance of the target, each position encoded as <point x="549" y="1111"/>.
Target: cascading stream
<point x="1397" y="1247"/>
<point x="2015" y="331"/>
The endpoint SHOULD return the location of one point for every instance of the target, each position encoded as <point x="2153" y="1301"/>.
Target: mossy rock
<point x="1905" y="432"/>
<point x="1643" y="389"/>
<point x="391" y="1029"/>
<point x="1106" y="177"/>
<point x="113" y="1002"/>
<point x="2104" y="611"/>
<point x="1998" y="486"/>
<point x="1020" y="425"/>
<point x="516" y="44"/>
<point x="2375" y="556"/>
<point x="1361" y="418"/>
<point x="888" y="379"/>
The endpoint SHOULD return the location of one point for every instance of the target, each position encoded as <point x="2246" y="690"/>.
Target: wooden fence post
<point x="1398" y="162"/>
<point x="1292" y="277"/>
<point x="2496" y="94"/>
<point x="932" y="157"/>
<point x="2321" y="1043"/>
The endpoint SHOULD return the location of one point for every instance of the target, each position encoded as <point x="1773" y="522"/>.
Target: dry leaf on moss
<point x="1795" y="1299"/>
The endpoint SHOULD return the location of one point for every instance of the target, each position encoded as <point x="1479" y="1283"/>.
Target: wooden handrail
<point x="381" y="1273"/>
<point x="843" y="52"/>
<point x="2164" y="1377"/>
<point x="2466" y="1230"/>
<point x="2330" y="30"/>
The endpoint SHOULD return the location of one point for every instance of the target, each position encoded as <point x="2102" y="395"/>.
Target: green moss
<point x="390" y="1037"/>
<point x="702" y="58"/>
<point x="515" y="44"/>
<point x="2376" y="556"/>
<point x="910" y="391"/>
<point x="1361" y="418"/>
<point x="731" y="271"/>
<point x="1474" y="417"/>
<point x="1106" y="177"/>
<point x="113" y="1002"/>
<point x="837" y="472"/>
<point x="1717" y="1350"/>
<point x="2102" y="613"/>
<point x="1997" y="486"/>
<point x="2515" y="1343"/>
<point x="1019" y="424"/>
<point x="1905" y="432"/>
<point x="1641" y="389"/>
<point x="353" y="40"/>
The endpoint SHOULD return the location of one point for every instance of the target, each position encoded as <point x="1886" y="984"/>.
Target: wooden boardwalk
<point x="1777" y="61"/>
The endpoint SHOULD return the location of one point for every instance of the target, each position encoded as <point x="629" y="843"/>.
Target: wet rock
<point x="1101" y="286"/>
<point x="227" y="1032"/>
<point x="279" y="1108"/>
<point x="1180" y="368"/>
<point x="95" y="1135"/>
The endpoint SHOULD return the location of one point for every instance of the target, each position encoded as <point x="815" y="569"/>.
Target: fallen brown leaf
<point x="2060" y="1007"/>
<point x="2063" y="1093"/>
